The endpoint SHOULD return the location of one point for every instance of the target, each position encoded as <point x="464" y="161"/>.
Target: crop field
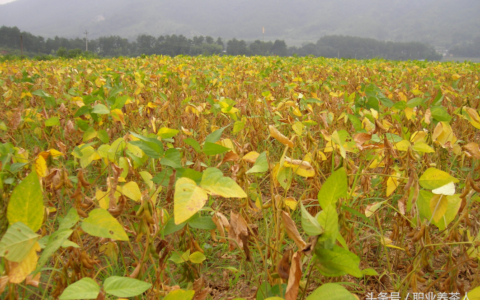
<point x="239" y="177"/>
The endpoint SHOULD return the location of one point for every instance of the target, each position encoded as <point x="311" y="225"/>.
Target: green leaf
<point x="125" y="286"/>
<point x="180" y="257"/>
<point x="331" y="291"/>
<point x="261" y="164"/>
<point x="190" y="173"/>
<point x="17" y="242"/>
<point x="85" y="288"/>
<point x="309" y="223"/>
<point x="328" y="220"/>
<point x="440" y="114"/>
<point x="53" y="121"/>
<point x="188" y="199"/>
<point x="55" y="241"/>
<point x="214" y="149"/>
<point x="370" y="272"/>
<point x="215" y="136"/>
<point x="167" y="133"/>
<point x="215" y="184"/>
<point x="171" y="227"/>
<point x="285" y="176"/>
<point x="101" y="223"/>
<point x="334" y="188"/>
<point x="337" y="262"/>
<point x="415" y="102"/>
<point x="198" y="222"/>
<point x="151" y="146"/>
<point x="172" y="159"/>
<point x="26" y="203"/>
<point x="89" y="134"/>
<point x="238" y="126"/>
<point x="180" y="295"/>
<point x="195" y="145"/>
<point x="197" y="257"/>
<point x="163" y="178"/>
<point x="434" y="178"/>
<point x="103" y="136"/>
<point x="100" y="109"/>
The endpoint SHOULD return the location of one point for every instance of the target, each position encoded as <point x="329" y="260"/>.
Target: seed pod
<point x="419" y="234"/>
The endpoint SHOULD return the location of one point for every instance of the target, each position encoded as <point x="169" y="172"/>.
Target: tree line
<point x="112" y="46"/>
<point x="467" y="49"/>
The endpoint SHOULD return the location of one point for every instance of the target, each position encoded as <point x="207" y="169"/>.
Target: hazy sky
<point x="5" y="1"/>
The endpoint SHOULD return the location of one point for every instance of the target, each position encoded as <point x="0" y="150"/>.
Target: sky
<point x="5" y="1"/>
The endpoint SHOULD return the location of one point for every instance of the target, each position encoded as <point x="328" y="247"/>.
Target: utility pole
<point x="263" y="46"/>
<point x="86" y="40"/>
<point x="21" y="44"/>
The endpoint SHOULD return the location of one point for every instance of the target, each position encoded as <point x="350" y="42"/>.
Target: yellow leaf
<point x="188" y="199"/>
<point x="19" y="271"/>
<point x="290" y="202"/>
<point x="395" y="247"/>
<point x="474" y="117"/>
<point x="186" y="131"/>
<point x="117" y="115"/>
<point x="403" y="145"/>
<point x="422" y="147"/>
<point x="132" y="191"/>
<point x="321" y="155"/>
<point x="41" y="166"/>
<point x="337" y="140"/>
<point x="456" y="77"/>
<point x="409" y="113"/>
<point x="98" y="82"/>
<point x="227" y="143"/>
<point x="55" y="153"/>
<point x="298" y="128"/>
<point x="251" y="157"/>
<point x="279" y="136"/>
<point x="438" y="207"/>
<point x="392" y="184"/>
<point x="300" y="167"/>
<point x="443" y="134"/>
<point x="418" y="136"/>
<point x="102" y="198"/>
<point x="297" y="112"/>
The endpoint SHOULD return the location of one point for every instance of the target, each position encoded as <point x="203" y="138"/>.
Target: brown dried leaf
<point x="33" y="281"/>
<point x="3" y="283"/>
<point x="230" y="156"/>
<point x="279" y="136"/>
<point x="170" y="188"/>
<point x="294" y="277"/>
<point x="283" y="266"/>
<point x="292" y="231"/>
<point x="428" y="116"/>
<point x="222" y="223"/>
<point x="361" y="138"/>
<point x="472" y="149"/>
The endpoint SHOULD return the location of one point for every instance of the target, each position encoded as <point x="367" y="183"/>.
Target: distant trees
<point x="327" y="46"/>
<point x="467" y="49"/>
<point x="365" y="48"/>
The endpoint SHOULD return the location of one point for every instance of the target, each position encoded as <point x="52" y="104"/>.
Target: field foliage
<point x="222" y="177"/>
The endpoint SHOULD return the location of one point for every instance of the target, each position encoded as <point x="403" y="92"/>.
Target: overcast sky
<point x="5" y="1"/>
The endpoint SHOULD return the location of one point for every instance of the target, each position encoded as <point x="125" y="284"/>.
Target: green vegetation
<point x="328" y="46"/>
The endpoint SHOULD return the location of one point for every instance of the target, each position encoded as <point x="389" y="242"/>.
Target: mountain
<point x="438" y="22"/>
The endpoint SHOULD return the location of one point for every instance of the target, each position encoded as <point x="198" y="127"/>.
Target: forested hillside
<point x="438" y="22"/>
